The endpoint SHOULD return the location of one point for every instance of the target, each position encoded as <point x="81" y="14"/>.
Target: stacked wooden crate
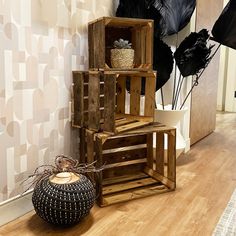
<point x="114" y="129"/>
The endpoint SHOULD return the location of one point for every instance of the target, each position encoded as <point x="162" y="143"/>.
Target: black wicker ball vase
<point x="64" y="198"/>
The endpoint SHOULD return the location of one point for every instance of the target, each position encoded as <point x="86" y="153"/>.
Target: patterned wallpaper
<point x="41" y="42"/>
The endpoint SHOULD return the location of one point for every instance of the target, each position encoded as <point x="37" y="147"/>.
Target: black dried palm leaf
<point x="175" y="15"/>
<point x="224" y="29"/>
<point x="132" y="9"/>
<point x="138" y="9"/>
<point x="162" y="62"/>
<point x="193" y="54"/>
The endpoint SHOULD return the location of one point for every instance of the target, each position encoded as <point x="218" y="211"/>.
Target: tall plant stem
<point x="195" y="83"/>
<point x="162" y="99"/>
<point x="173" y="94"/>
<point x="176" y="92"/>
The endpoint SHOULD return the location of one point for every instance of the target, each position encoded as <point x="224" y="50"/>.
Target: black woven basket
<point x="63" y="204"/>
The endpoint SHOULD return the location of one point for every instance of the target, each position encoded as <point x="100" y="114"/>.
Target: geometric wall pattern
<point x="41" y="42"/>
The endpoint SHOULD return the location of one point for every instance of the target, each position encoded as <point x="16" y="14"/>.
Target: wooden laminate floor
<point x="206" y="178"/>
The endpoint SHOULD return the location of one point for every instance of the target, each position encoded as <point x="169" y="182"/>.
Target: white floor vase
<point x="172" y="118"/>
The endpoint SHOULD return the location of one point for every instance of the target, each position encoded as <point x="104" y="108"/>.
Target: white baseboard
<point x="15" y="208"/>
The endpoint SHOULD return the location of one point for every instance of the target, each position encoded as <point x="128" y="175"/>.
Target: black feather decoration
<point x="224" y="30"/>
<point x="193" y="54"/>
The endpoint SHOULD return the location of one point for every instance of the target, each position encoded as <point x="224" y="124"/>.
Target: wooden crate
<point x="100" y="99"/>
<point x="104" y="31"/>
<point x="132" y="169"/>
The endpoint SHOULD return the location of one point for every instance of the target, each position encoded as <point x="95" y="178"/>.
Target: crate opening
<point x="133" y="35"/>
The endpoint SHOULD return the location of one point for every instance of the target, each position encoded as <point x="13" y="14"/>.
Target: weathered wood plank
<point x="114" y="142"/>
<point x="90" y="146"/>
<point x="120" y="100"/>
<point x="115" y="188"/>
<point x="123" y="156"/>
<point x="78" y="93"/>
<point x="149" y="45"/>
<point x="134" y="194"/>
<point x="160" y="178"/>
<point x="150" y="150"/>
<point x="99" y="163"/>
<point x="121" y="171"/>
<point x="171" y="158"/>
<point x="82" y="145"/>
<point x="109" y="102"/>
<point x="133" y="125"/>
<point x="94" y="101"/>
<point x="91" y="45"/>
<point x="99" y="44"/>
<point x="150" y="87"/>
<point x="124" y="122"/>
<point x="160" y="153"/>
<point x="124" y="178"/>
<point x="125" y="163"/>
<point x="135" y="92"/>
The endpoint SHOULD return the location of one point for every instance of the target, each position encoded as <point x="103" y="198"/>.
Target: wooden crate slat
<point x="133" y="125"/>
<point x="121" y="85"/>
<point x="124" y="178"/>
<point x="94" y="101"/>
<point x="90" y="149"/>
<point x="135" y="92"/>
<point x="134" y="194"/>
<point x="153" y="127"/>
<point x="90" y="146"/>
<point x="97" y="52"/>
<point x="82" y="150"/>
<point x="85" y="89"/>
<point x="160" y="153"/>
<point x="125" y="163"/>
<point x="124" y="121"/>
<point x="136" y="42"/>
<point x="91" y="40"/>
<point x="124" y="21"/>
<point x="99" y="163"/>
<point x="121" y="171"/>
<point x="116" y="157"/>
<point x="86" y="103"/>
<point x="143" y="36"/>
<point x="149" y="47"/>
<point x="115" y="142"/>
<point x="129" y="185"/>
<point x="150" y="150"/>
<point x="78" y="93"/>
<point x="109" y="102"/>
<point x="150" y="87"/>
<point x="171" y="156"/>
<point x="160" y="178"/>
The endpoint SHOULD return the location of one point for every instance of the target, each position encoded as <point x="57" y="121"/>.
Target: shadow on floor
<point x="38" y="227"/>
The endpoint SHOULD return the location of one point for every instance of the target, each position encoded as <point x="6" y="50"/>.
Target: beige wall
<point x="41" y="42"/>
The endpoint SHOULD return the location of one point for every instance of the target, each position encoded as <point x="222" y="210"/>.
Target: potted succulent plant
<point x="122" y="55"/>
